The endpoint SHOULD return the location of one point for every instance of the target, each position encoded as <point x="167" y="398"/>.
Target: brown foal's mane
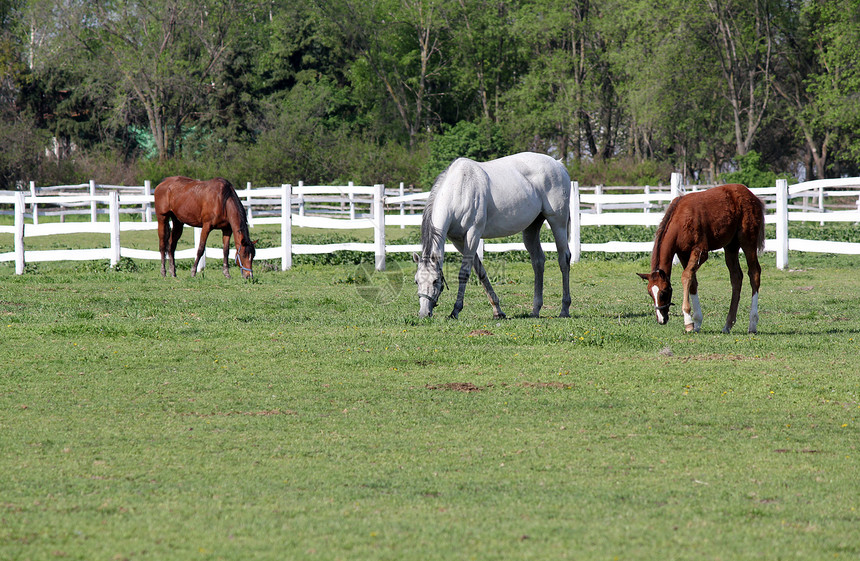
<point x="661" y="231"/>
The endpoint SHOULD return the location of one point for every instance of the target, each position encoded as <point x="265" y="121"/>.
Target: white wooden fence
<point x="363" y="207"/>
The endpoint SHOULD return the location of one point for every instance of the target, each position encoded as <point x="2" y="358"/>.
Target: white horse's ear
<point x="415" y="257"/>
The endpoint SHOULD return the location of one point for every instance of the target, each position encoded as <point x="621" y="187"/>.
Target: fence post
<point x="379" y="225"/>
<point x="286" y="226"/>
<point x="821" y="201"/>
<point x="114" y="228"/>
<point x="402" y="205"/>
<point x="249" y="210"/>
<point x="93" y="204"/>
<point x="647" y="205"/>
<point x="574" y="239"/>
<point x="34" y="206"/>
<point x="198" y="233"/>
<point x="781" y="223"/>
<point x="351" y="195"/>
<point x="19" y="233"/>
<point x="598" y="193"/>
<point x="301" y="200"/>
<point x="675" y="186"/>
<point x="147" y="208"/>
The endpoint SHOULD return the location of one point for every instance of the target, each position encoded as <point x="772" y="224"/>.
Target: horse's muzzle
<point x="425" y="306"/>
<point x="662" y="313"/>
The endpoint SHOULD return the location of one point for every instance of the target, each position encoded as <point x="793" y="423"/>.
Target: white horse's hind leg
<point x="531" y="239"/>
<point x="559" y="231"/>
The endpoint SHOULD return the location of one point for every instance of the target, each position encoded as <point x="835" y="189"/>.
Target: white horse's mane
<point x="430" y="235"/>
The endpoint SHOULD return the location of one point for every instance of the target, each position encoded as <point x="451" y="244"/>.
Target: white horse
<point x="471" y="200"/>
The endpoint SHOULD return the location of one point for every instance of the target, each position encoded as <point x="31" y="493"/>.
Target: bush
<point x="622" y="172"/>
<point x="752" y="172"/>
<point x="478" y="141"/>
<point x="20" y="151"/>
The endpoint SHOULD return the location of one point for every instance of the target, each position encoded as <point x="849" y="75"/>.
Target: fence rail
<point x="364" y="207"/>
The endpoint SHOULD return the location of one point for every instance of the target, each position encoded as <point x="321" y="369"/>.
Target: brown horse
<point x="207" y="205"/>
<point x="728" y="216"/>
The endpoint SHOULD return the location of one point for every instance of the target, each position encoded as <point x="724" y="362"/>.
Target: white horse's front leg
<point x="488" y="288"/>
<point x="465" y="271"/>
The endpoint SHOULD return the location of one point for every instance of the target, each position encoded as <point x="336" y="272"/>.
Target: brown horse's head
<point x="245" y="252"/>
<point x="430" y="281"/>
<point x="660" y="292"/>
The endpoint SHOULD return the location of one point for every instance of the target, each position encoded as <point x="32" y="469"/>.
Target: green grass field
<point x="311" y="415"/>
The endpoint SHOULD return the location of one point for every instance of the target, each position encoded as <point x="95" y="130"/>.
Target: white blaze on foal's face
<point x="660" y="317"/>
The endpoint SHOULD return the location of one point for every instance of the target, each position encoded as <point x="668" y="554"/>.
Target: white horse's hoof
<point x="690" y="328"/>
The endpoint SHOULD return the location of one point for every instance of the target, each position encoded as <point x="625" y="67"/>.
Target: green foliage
<point x="622" y="172"/>
<point x="836" y="105"/>
<point x="20" y="148"/>
<point x="389" y="91"/>
<point x="752" y="172"/>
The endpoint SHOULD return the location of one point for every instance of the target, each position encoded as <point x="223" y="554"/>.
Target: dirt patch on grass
<point x="479" y="333"/>
<point x="263" y="413"/>
<point x="457" y="387"/>
<point x="553" y="385"/>
<point x="730" y="357"/>
<point x="470" y="387"/>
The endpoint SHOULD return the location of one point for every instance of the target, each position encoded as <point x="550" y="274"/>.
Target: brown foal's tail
<point x="761" y="229"/>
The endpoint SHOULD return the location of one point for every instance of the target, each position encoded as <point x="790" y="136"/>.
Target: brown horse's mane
<point x="232" y="196"/>
<point x="661" y="231"/>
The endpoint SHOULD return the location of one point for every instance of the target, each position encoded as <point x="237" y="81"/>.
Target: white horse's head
<point x="430" y="281"/>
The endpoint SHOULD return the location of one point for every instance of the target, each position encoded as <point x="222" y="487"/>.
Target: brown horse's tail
<point x="761" y="229"/>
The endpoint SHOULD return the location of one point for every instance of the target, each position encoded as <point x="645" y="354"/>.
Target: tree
<point x="740" y="32"/>
<point x="165" y="54"/>
<point x="485" y="56"/>
<point x="564" y="98"/>
<point x="673" y="117"/>
<point x="798" y="65"/>
<point x="400" y="48"/>
<point x="835" y="85"/>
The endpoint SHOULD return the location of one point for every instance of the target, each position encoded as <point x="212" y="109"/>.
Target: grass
<point x="311" y="415"/>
